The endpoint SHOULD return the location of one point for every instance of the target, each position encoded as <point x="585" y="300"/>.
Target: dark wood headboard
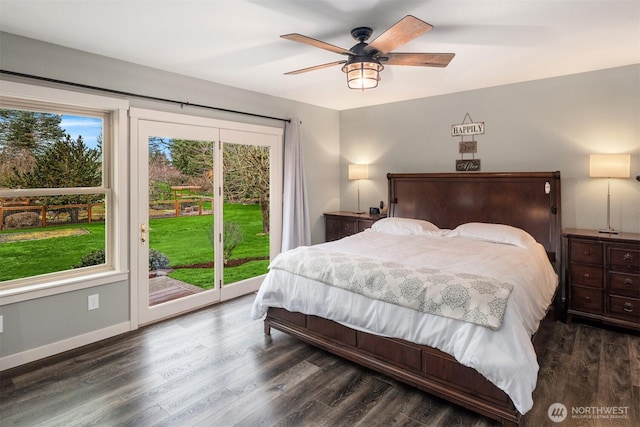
<point x="527" y="200"/>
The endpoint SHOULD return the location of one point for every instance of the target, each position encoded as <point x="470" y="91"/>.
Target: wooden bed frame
<point x="530" y="201"/>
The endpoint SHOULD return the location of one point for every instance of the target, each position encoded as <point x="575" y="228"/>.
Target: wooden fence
<point x="44" y="216"/>
<point x="50" y="215"/>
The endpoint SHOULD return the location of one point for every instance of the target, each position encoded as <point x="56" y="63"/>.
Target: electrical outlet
<point x="94" y="301"/>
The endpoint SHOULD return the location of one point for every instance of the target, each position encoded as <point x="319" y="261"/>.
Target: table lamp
<point x="609" y="166"/>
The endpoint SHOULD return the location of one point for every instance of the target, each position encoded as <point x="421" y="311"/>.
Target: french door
<point x="206" y="203"/>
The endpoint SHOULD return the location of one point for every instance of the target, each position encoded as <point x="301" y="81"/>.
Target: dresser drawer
<point x="337" y="228"/>
<point x="348" y="227"/>
<point x="589" y="252"/>
<point x="364" y="224"/>
<point x="587" y="275"/>
<point x="627" y="258"/>
<point x="333" y="226"/>
<point x="624" y="308"/>
<point x="588" y="300"/>
<point x="342" y="224"/>
<point x="628" y="284"/>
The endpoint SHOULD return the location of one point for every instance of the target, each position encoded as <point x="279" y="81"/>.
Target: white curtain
<point x="296" y="230"/>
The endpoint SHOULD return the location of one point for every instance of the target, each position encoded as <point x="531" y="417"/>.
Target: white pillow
<point x="404" y="226"/>
<point x="497" y="233"/>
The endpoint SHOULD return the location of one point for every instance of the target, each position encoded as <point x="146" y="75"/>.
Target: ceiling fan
<point x="365" y="60"/>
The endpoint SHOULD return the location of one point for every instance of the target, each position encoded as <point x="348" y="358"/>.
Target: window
<point x="58" y="216"/>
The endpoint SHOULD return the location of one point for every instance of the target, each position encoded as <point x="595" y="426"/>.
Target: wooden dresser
<point x="344" y="223"/>
<point x="603" y="276"/>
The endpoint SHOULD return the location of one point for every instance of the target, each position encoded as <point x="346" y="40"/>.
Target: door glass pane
<point x="180" y="234"/>
<point x="246" y="175"/>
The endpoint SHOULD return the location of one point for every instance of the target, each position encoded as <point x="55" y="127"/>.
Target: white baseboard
<point x="34" y="354"/>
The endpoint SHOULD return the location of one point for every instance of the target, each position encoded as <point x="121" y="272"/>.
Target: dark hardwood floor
<point x="215" y="367"/>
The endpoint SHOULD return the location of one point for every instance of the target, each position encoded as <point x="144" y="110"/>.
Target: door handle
<point x="143" y="233"/>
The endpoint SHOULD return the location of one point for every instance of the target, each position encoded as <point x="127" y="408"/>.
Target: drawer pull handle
<point x="628" y="307"/>
<point x="587" y="276"/>
<point x="587" y="299"/>
<point x="627" y="258"/>
<point x="627" y="282"/>
<point x="587" y="253"/>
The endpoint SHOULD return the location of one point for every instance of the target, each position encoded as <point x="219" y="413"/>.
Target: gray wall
<point x="42" y="321"/>
<point x="545" y="125"/>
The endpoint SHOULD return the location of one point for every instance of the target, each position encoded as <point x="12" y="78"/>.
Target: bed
<point x="488" y="367"/>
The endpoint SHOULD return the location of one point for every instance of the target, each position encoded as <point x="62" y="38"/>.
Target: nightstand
<point x="344" y="223"/>
<point x="603" y="276"/>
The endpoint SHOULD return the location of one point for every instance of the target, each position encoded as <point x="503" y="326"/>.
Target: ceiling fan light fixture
<point x="362" y="74"/>
<point x="363" y="63"/>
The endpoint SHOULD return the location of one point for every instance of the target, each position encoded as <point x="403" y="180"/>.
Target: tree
<point x="23" y="135"/>
<point x="246" y="176"/>
<point x="65" y="163"/>
<point x="192" y="158"/>
<point x="161" y="176"/>
<point x="14" y="160"/>
<point x="29" y="130"/>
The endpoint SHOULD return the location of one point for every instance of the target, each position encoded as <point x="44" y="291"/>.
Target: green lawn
<point x="34" y="257"/>
<point x="185" y="240"/>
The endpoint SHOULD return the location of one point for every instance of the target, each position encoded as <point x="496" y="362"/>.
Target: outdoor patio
<point x="163" y="289"/>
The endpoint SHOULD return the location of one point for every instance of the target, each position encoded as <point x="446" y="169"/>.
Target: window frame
<point x="114" y="187"/>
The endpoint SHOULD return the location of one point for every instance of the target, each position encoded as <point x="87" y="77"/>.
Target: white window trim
<point x="61" y="282"/>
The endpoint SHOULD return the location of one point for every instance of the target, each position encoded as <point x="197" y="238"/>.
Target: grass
<point x="185" y="240"/>
<point x="34" y="257"/>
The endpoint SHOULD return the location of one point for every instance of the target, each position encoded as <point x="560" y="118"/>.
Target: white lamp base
<point x="609" y="229"/>
<point x="358" y="211"/>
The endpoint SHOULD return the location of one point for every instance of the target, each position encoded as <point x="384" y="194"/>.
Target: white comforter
<point x="505" y="357"/>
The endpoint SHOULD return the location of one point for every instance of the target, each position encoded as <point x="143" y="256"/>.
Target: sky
<point x="88" y="127"/>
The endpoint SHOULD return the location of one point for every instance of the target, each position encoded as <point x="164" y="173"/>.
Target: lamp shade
<point x="358" y="171"/>
<point x="362" y="75"/>
<point x="609" y="165"/>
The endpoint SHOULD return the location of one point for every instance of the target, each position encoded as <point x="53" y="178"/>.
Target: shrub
<point x="157" y="260"/>
<point x="22" y="219"/>
<point x="95" y="257"/>
<point x="232" y="237"/>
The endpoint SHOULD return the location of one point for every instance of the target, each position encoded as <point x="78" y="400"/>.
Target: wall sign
<point x="467" y="128"/>
<point x="468" y="165"/>
<point x="468" y="147"/>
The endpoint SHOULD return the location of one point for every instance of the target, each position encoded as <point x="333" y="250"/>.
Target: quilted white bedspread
<point x="505" y="356"/>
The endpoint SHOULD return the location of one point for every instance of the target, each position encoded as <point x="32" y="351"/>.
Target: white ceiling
<point x="237" y="43"/>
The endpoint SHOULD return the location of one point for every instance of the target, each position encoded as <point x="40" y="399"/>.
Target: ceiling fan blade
<point x="405" y="30"/>
<point x="418" y="59"/>
<point x="317" y="67"/>
<point x="316" y="43"/>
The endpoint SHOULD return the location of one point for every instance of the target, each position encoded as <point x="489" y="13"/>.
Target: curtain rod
<point x="152" y="98"/>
